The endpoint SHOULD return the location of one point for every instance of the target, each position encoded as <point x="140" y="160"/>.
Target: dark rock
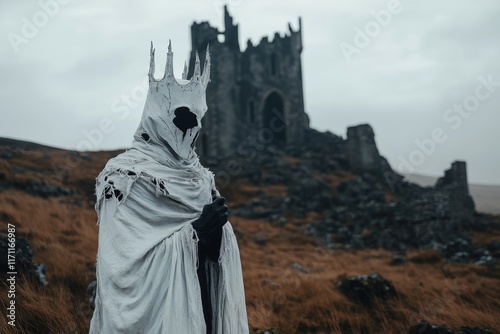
<point x="398" y="260"/>
<point x="267" y="282"/>
<point x="91" y="291"/>
<point x="474" y="330"/>
<point x="255" y="214"/>
<point x="4" y="154"/>
<point x="460" y="257"/>
<point x="366" y="288"/>
<point x="266" y="331"/>
<point x="486" y="260"/>
<point x="258" y="202"/>
<point x="39" y="270"/>
<point x="18" y="169"/>
<point x="420" y="219"/>
<point x="259" y="239"/>
<point x="278" y="218"/>
<point x="424" y="327"/>
<point x="493" y="246"/>
<point x="23" y="259"/>
<point x="301" y="268"/>
<point x="310" y="194"/>
<point x="458" y="245"/>
<point x="3" y="181"/>
<point x="360" y="190"/>
<point x="356" y="243"/>
<point x="46" y="190"/>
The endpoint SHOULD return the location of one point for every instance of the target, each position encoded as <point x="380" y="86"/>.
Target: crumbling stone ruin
<point x="255" y="92"/>
<point x="362" y="152"/>
<point x="450" y="194"/>
<point x="454" y="184"/>
<point x="373" y="208"/>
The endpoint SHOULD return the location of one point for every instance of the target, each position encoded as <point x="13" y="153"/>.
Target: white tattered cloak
<point x="147" y="257"/>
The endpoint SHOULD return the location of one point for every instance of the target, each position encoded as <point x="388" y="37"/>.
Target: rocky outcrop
<point x="266" y="331"/>
<point x="46" y="190"/>
<point x="366" y="288"/>
<point x="375" y="208"/>
<point x="420" y="219"/>
<point x="423" y="327"/>
<point x="24" y="264"/>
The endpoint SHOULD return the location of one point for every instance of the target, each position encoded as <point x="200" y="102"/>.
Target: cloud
<point x="428" y="58"/>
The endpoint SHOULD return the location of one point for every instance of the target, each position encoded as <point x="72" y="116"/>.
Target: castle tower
<point x="254" y="95"/>
<point x="220" y="124"/>
<point x="362" y="152"/>
<point x="454" y="184"/>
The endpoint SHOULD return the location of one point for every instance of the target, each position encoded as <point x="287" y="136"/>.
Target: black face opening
<point x="145" y="136"/>
<point x="184" y="119"/>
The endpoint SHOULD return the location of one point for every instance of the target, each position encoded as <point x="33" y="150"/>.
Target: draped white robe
<point x="147" y="256"/>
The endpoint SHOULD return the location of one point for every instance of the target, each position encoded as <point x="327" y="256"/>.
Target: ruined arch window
<point x="251" y="111"/>
<point x="274" y="64"/>
<point x="273" y="117"/>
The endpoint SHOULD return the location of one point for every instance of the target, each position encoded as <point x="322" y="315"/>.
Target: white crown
<point x="172" y="100"/>
<point x="197" y="77"/>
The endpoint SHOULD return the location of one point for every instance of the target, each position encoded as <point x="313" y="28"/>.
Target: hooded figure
<point x="167" y="261"/>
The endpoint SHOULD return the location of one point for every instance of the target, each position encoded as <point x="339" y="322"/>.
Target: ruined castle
<point x="257" y="95"/>
<point x="449" y="197"/>
<point x="255" y="92"/>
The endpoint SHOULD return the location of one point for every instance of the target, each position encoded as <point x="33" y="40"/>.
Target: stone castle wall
<point x="455" y="187"/>
<point x="253" y="93"/>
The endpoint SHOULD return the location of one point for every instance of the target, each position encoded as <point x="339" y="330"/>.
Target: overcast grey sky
<point x="67" y="65"/>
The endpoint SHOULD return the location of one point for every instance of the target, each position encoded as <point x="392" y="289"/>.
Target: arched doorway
<point x="274" y="117"/>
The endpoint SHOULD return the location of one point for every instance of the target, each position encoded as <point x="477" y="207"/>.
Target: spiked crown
<point x="174" y="107"/>
<point x="202" y="78"/>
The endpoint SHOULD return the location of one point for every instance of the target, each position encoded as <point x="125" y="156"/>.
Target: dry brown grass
<point x="63" y="234"/>
<point x="280" y="296"/>
<point x="425" y="256"/>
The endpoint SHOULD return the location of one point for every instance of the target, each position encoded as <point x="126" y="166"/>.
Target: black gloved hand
<point x="212" y="218"/>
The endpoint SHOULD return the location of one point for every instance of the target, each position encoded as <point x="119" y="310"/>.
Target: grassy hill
<point x="290" y="278"/>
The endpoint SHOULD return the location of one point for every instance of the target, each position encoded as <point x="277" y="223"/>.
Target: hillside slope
<point x="290" y="276"/>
